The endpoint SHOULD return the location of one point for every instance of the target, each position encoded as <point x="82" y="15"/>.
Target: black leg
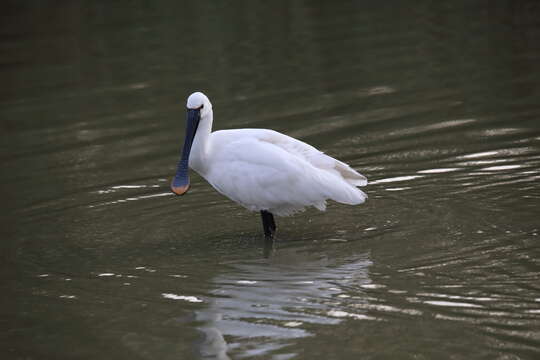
<point x="272" y="223"/>
<point x="269" y="225"/>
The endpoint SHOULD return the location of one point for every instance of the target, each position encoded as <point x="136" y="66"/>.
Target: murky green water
<point x="437" y="104"/>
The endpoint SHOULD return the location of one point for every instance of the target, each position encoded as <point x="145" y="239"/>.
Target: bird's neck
<point x="201" y="144"/>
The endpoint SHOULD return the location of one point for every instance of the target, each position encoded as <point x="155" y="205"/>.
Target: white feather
<point x="265" y="170"/>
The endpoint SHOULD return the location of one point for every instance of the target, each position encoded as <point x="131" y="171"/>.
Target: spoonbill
<point x="262" y="170"/>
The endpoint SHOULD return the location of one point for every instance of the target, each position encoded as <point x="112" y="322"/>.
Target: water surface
<point x="437" y="104"/>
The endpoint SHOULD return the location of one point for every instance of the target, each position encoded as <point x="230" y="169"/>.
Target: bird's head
<point x="198" y="100"/>
<point x="198" y="109"/>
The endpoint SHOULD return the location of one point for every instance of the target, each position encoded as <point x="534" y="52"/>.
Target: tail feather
<point x="341" y="190"/>
<point x="350" y="195"/>
<point x="350" y="175"/>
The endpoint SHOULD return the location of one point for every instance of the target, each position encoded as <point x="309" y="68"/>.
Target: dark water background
<point x="437" y="103"/>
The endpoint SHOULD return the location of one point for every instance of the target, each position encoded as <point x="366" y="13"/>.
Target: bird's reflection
<point x="262" y="306"/>
<point x="269" y="247"/>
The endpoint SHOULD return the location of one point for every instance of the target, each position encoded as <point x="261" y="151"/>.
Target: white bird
<point x="262" y="170"/>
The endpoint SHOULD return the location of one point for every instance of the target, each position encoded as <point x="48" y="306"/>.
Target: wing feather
<point x="314" y="156"/>
<point x="266" y="170"/>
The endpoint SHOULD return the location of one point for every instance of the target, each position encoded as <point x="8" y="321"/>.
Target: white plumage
<point x="265" y="170"/>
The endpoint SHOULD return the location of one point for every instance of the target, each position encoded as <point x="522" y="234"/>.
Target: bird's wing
<point x="260" y="175"/>
<point x="312" y="155"/>
<point x="263" y="169"/>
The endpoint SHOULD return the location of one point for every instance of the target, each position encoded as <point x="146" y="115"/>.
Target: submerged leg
<point x="269" y="225"/>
